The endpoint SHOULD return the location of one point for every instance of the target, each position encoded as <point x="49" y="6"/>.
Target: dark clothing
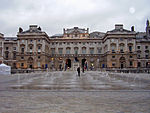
<point x="83" y="69"/>
<point x="78" y="70"/>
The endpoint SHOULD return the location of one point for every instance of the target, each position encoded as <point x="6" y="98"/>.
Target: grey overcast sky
<point x="54" y="15"/>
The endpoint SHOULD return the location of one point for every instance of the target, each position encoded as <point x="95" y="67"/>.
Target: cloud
<point x="54" y="15"/>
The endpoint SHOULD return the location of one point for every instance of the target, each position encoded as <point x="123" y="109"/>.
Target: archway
<point x="68" y="63"/>
<point x="30" y="62"/>
<point x="122" y="62"/>
<point x="83" y="62"/>
<point x="139" y="64"/>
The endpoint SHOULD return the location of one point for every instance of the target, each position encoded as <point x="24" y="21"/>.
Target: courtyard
<point x="65" y="92"/>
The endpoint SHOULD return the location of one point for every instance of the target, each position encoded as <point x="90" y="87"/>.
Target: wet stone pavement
<point x="65" y="92"/>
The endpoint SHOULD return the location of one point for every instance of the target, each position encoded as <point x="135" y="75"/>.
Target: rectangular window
<point x="130" y="48"/>
<point x="99" y="50"/>
<point x="39" y="64"/>
<point x="53" y="50"/>
<point x="68" y="51"/>
<point x="91" y="50"/>
<point x="14" y="56"/>
<point x="139" y="56"/>
<point x="6" y="55"/>
<point x="22" y="50"/>
<point x="22" y="57"/>
<point x="22" y="64"/>
<point x="131" y="63"/>
<point x="14" y="48"/>
<point x="7" y="48"/>
<point x="113" y="56"/>
<point x="60" y="50"/>
<point x="83" y="50"/>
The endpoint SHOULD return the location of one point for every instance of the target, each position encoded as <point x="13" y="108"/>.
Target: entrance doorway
<point x="83" y="62"/>
<point x="68" y="63"/>
<point x="122" y="62"/>
<point x="30" y="66"/>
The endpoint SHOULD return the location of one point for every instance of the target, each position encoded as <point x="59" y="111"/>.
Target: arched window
<point x="83" y="50"/>
<point x="68" y="50"/>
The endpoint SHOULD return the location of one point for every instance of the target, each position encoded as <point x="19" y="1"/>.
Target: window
<point x="22" y="41"/>
<point x="130" y="48"/>
<point x="83" y="50"/>
<point x="131" y="63"/>
<point x="67" y="50"/>
<point x="53" y="51"/>
<point x="83" y="35"/>
<point x="39" y="57"/>
<point x="14" y="48"/>
<point x="68" y="35"/>
<point x="131" y="56"/>
<point x="39" y="64"/>
<point x="22" y="64"/>
<point x="14" y="55"/>
<point x="146" y="47"/>
<point x="39" y="48"/>
<point x="121" y="39"/>
<point x="22" y="57"/>
<point x="113" y="48"/>
<point x="22" y="50"/>
<point x="83" y="43"/>
<point x="30" y="40"/>
<point x="99" y="50"/>
<point x="113" y="64"/>
<point x="30" y="48"/>
<point x="7" y="48"/>
<point x="146" y="56"/>
<point x="6" y="54"/>
<point x="113" y="56"/>
<point x="75" y="43"/>
<point x="53" y="43"/>
<point x="60" y="50"/>
<point x="76" y="35"/>
<point x="91" y="50"/>
<point x="121" y="48"/>
<point x="139" y="56"/>
<point x="138" y="47"/>
<point x="39" y="40"/>
<point x="75" y="50"/>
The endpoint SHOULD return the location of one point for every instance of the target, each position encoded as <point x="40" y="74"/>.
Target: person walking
<point x="78" y="70"/>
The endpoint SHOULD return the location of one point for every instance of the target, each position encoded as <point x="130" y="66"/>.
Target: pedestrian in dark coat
<point x="78" y="70"/>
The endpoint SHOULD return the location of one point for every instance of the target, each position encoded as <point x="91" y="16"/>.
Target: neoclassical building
<point x="118" y="48"/>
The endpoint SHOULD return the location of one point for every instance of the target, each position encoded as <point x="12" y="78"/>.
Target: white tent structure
<point x="5" y="70"/>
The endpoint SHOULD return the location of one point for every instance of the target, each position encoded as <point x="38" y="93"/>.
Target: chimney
<point x="33" y="27"/>
<point x="118" y="26"/>
<point x="132" y="28"/>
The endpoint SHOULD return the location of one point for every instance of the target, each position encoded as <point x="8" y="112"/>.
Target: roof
<point x="140" y="35"/>
<point x="56" y="35"/>
<point x="11" y="38"/>
<point x="97" y="34"/>
<point x="32" y="29"/>
<point x="75" y="30"/>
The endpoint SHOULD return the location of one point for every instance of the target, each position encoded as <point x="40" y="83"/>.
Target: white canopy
<point x="4" y="69"/>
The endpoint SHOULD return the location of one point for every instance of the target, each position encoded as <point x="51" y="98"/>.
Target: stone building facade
<point x="118" y="48"/>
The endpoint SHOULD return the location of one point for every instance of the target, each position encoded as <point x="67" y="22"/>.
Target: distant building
<point x="118" y="48"/>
